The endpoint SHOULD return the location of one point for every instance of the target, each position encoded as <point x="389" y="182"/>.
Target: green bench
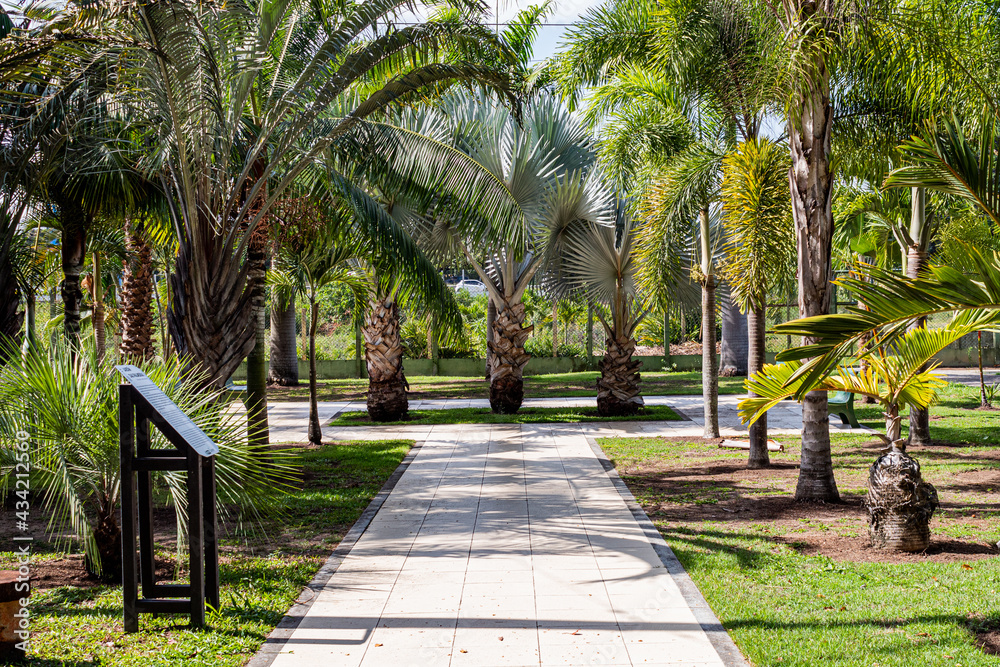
<point x="841" y="403"/>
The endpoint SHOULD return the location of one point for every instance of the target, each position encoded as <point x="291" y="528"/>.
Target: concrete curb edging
<point x="276" y="640"/>
<point x="721" y="641"/>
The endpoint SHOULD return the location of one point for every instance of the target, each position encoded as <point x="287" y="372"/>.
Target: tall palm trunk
<point x="315" y="430"/>
<point x="10" y="300"/>
<point x="491" y="318"/>
<point x="756" y="328"/>
<point x="916" y="262"/>
<point x="97" y="314"/>
<point x="508" y="358"/>
<point x="73" y="251"/>
<point x="809" y="124"/>
<point x="137" y="294"/>
<point x="384" y="360"/>
<point x="709" y="361"/>
<point x="256" y="399"/>
<point x="618" y="391"/>
<point x="284" y="363"/>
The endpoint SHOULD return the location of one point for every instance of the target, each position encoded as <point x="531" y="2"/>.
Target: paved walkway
<point x="288" y="421"/>
<point x="505" y="545"/>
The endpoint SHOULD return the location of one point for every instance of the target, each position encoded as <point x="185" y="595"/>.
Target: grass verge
<point x="568" y="385"/>
<point x="796" y="584"/>
<point x="523" y="416"/>
<point x="82" y="625"/>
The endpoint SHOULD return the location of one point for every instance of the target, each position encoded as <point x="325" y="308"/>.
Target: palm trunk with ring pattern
<point x="384" y="360"/>
<point x="508" y="358"/>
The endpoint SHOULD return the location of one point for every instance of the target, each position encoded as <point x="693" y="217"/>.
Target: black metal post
<point x="211" y="526"/>
<point x="144" y="487"/>
<point x="196" y="540"/>
<point x="129" y="584"/>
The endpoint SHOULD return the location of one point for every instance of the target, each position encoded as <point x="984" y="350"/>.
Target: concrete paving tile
<point x="512" y="531"/>
<point x="497" y="653"/>
<point x="613" y="653"/>
<point x="406" y="656"/>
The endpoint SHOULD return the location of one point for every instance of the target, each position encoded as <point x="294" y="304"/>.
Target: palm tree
<point x="318" y="74"/>
<point x="601" y="260"/>
<point x="758" y="229"/>
<point x="314" y="252"/>
<point x="898" y="374"/>
<point x="946" y="158"/>
<point x="676" y="83"/>
<point x="543" y="163"/>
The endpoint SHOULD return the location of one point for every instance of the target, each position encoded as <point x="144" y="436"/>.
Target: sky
<point x="564" y="13"/>
<point x="550" y="35"/>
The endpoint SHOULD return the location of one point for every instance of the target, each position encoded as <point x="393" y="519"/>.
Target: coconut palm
<point x="757" y="220"/>
<point x="67" y="401"/>
<point x="602" y="261"/>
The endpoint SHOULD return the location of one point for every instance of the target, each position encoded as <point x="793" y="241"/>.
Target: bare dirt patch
<point x="699" y="484"/>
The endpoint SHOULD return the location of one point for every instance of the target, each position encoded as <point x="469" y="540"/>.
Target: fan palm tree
<point x="757" y="220"/>
<point x="543" y="163"/>
<point x="601" y="261"/>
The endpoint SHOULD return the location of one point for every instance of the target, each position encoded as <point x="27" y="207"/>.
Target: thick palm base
<point x="384" y="359"/>
<point x="618" y="392"/>
<point x="899" y="503"/>
<point x="506" y="394"/>
<point x="108" y="537"/>
<point x="387" y="400"/>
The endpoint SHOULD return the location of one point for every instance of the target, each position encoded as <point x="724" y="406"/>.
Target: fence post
<point x="666" y="337"/>
<point x="432" y="340"/>
<point x="590" y="334"/>
<point x="358" y="361"/>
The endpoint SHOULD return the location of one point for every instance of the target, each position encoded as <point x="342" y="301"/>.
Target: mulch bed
<point x="684" y="493"/>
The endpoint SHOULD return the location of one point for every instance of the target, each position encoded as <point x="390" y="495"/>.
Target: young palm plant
<point x="318" y="251"/>
<point x="899" y="374"/>
<point x="601" y="261"/>
<point x="67" y="402"/>
<point x="758" y="225"/>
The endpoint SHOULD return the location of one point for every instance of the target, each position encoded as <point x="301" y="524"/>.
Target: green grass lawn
<point x="535" y="386"/>
<point x="794" y="583"/>
<point x="523" y="416"/>
<point x="954" y="418"/>
<point x="77" y="626"/>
